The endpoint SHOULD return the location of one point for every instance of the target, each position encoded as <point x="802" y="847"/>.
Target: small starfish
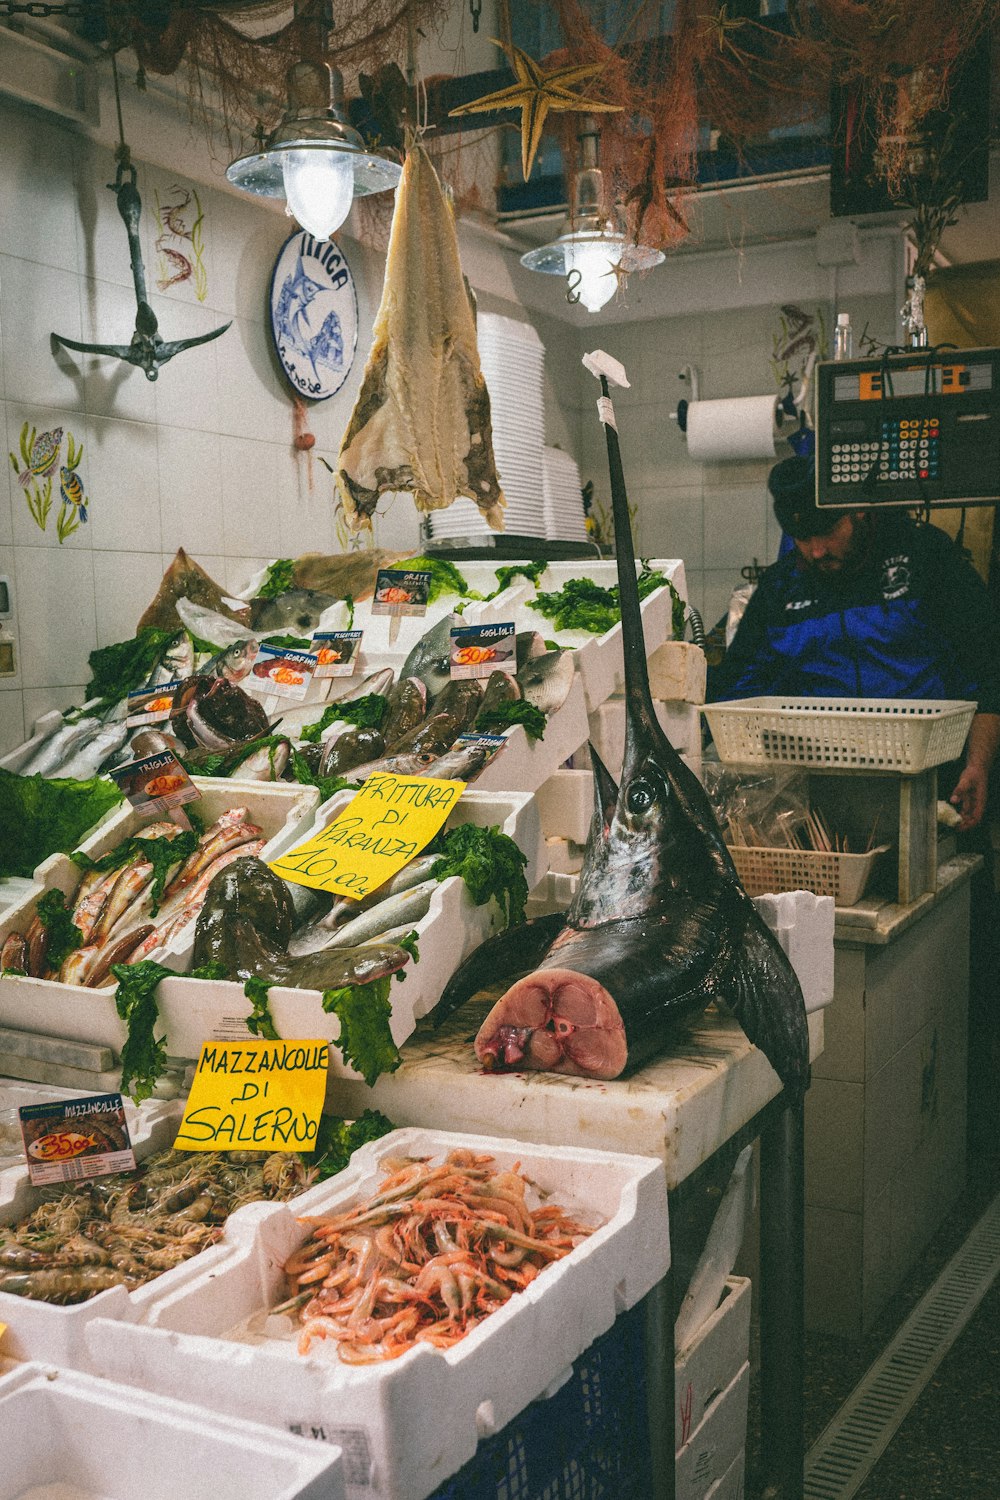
<point x="534" y="94"/>
<point x="718" y="26"/>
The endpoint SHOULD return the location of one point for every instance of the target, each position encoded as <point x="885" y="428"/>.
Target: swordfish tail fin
<point x="763" y="992"/>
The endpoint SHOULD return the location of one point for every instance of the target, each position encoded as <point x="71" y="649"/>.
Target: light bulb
<point x="319" y="189"/>
<point x="595" y="260"/>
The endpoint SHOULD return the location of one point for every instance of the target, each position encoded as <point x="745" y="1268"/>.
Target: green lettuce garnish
<point x="367" y="713"/>
<point x="144" y="1056"/>
<point x="519" y="711"/>
<point x="582" y="604"/>
<point x="505" y="576"/>
<point x="490" y="863"/>
<point x="289" y="642"/>
<point x="213" y="969"/>
<point x="445" y="577"/>
<point x="64" y="937"/>
<point x="119" y="669"/>
<point x="40" y="816"/>
<point x="161" y="852"/>
<point x="278" y="579"/>
<point x="365" y="1038"/>
<point x="260" y="1020"/>
<point x="337" y="1140"/>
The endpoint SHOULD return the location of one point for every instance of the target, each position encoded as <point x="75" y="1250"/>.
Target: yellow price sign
<point x="382" y="828"/>
<point x="255" y="1095"/>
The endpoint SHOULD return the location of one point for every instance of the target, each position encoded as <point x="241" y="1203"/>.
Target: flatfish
<point x="422" y="421"/>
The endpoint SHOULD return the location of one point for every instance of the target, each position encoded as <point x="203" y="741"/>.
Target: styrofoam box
<point x="566" y="805"/>
<point x="564" y="857"/>
<point x="801" y="921"/>
<point x="279" y="809"/>
<point x="730" y="1486"/>
<point x="680" y="722"/>
<point x="70" y="1436"/>
<point x="678" y="672"/>
<point x="407" y="1424"/>
<point x="42" y="1330"/>
<point x="715" y="1445"/>
<point x="713" y="1359"/>
<point x="599" y="658"/>
<point x="196" y="1010"/>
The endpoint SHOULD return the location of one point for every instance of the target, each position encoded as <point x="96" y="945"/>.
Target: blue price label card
<point x="281" y="672"/>
<point x="479" y="650"/>
<point x="155" y="783"/>
<point x="151" y="705"/>
<point x="401" y="591"/>
<point x="66" y="1140"/>
<point x="337" y="652"/>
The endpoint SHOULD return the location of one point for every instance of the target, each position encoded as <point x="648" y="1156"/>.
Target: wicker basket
<point x="876" y="734"/>
<point x="766" y="872"/>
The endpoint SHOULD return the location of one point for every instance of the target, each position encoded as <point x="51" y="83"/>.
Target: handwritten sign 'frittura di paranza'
<point x="382" y="828"/>
<point x="255" y="1095"/>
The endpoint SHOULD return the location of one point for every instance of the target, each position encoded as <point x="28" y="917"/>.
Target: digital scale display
<point x="911" y="430"/>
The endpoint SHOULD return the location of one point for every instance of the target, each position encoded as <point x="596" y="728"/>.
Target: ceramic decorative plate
<point x="314" y="315"/>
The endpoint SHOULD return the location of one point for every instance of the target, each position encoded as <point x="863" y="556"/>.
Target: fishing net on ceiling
<point x="236" y="52"/>
<point x="723" y="74"/>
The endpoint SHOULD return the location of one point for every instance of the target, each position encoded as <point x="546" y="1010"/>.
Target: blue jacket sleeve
<point x="748" y="668"/>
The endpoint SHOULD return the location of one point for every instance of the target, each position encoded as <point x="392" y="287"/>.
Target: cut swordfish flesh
<point x="422" y="420"/>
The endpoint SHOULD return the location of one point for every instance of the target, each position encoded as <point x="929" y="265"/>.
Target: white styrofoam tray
<point x="196" y="1010"/>
<point x="69" y="1436"/>
<point x="713" y="1359"/>
<point x="717" y="1443"/>
<point x="409" y="1423"/>
<point x="599" y="658"/>
<point x="279" y="809"/>
<point x="43" y="1330"/>
<point x="479" y="575"/>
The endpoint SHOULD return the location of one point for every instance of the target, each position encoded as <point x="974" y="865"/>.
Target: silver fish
<point x="546" y="680"/>
<point x="430" y="659"/>
<point x="463" y="763"/>
<point x="90" y="756"/>
<point x="345" y="910"/>
<point x="232" y="662"/>
<point x="407" y="907"/>
<point x="59" y="746"/>
<point x="528" y="644"/>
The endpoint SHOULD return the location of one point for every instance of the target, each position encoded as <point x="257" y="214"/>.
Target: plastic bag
<point x="765" y="806"/>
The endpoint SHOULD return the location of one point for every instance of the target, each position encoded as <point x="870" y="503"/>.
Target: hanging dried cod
<point x="422" y="418"/>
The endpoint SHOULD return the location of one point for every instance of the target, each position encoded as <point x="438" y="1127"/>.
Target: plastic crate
<point x="878" y="734"/>
<point x="588" y="1441"/>
<point x="765" y="871"/>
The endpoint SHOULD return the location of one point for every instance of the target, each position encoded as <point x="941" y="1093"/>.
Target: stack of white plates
<point x="513" y="363"/>
<point x="562" y="497"/>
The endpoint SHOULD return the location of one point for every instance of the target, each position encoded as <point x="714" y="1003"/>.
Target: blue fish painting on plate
<point x="314" y="315"/>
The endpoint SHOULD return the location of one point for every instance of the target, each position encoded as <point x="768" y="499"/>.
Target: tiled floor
<point x="948" y="1448"/>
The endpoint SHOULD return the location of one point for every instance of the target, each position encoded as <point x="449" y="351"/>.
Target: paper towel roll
<point x="743" y="427"/>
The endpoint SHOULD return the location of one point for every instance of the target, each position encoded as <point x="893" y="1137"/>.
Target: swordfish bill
<point x="660" y="924"/>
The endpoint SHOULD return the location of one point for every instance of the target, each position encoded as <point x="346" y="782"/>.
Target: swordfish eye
<point x="641" y="795"/>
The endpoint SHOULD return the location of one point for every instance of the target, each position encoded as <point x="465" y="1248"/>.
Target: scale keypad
<point x="908" y="449"/>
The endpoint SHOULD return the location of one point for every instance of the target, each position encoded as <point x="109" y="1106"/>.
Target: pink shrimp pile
<point x="434" y="1251"/>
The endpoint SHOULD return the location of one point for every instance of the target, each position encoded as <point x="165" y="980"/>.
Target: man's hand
<point x="972" y="786"/>
<point x="969" y="796"/>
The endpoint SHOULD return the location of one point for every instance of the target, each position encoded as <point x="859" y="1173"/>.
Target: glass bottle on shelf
<point x="843" y="337"/>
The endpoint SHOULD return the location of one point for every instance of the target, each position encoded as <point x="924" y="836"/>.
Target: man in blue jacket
<point x="870" y="604"/>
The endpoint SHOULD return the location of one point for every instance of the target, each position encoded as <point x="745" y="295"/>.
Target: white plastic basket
<point x="879" y="734"/>
<point x="766" y="872"/>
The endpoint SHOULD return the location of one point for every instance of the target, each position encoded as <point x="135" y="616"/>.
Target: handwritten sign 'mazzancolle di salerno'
<point x="257" y="1095"/>
<point x="383" y="827"/>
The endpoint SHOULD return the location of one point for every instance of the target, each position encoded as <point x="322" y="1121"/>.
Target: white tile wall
<point x="203" y="457"/>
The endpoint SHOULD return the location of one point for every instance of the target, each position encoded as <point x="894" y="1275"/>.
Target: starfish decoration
<point x="534" y="94"/>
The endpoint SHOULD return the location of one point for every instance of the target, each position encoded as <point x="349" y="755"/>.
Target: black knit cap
<point x="792" y="484"/>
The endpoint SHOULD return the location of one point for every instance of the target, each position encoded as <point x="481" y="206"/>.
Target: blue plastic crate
<point x="590" y="1441"/>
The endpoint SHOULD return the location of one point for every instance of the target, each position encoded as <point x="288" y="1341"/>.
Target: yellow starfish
<point x="534" y="94"/>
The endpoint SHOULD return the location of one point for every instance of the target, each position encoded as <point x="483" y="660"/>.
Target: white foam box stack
<point x="712" y="1360"/>
<point x="407" y="1424"/>
<point x="69" y="1436"/>
<point x="718" y="1443"/>
<point x="43" y="1330"/>
<point x="678" y="672"/>
<point x="681" y="723"/>
<point x="281" y="810"/>
<point x="566" y="805"/>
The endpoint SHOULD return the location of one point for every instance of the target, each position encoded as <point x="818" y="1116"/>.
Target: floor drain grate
<point x="844" y="1455"/>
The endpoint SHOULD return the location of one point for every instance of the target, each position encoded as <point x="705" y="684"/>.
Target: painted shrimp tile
<point x="178" y="225"/>
<point x="49" y="476"/>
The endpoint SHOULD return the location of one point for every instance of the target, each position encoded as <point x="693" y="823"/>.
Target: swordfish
<point x="659" y="926"/>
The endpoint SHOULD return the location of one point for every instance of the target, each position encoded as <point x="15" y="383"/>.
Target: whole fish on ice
<point x="659" y="926"/>
<point x="422" y="421"/>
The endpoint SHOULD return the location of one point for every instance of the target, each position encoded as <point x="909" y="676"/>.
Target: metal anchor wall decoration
<point x="147" y="349"/>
